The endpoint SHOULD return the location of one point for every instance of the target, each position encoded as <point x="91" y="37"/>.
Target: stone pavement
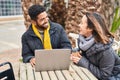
<point x="10" y="43"/>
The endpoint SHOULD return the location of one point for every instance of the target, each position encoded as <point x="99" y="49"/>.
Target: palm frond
<point x="116" y="21"/>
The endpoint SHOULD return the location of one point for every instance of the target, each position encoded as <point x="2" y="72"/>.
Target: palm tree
<point x="56" y="12"/>
<point x="25" y="5"/>
<point x="70" y="16"/>
<point x="77" y="8"/>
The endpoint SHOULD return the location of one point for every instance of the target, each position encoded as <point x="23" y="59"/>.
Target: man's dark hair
<point x="35" y="10"/>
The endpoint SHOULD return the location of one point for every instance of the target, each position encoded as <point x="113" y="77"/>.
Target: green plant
<point x="21" y="60"/>
<point x="116" y="20"/>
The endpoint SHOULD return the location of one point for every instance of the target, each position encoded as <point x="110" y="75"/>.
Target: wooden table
<point x="74" y="73"/>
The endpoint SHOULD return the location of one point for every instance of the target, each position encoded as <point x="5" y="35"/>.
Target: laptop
<point x="54" y="59"/>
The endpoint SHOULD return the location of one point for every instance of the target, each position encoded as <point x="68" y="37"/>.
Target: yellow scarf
<point x="46" y="42"/>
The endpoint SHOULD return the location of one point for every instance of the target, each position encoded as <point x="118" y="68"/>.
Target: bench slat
<point x="30" y="74"/>
<point x="74" y="75"/>
<point x="81" y="74"/>
<point x="67" y="75"/>
<point x="23" y="71"/>
<point x="45" y="75"/>
<point x="52" y="75"/>
<point x="91" y="76"/>
<point x="37" y="75"/>
<point x="59" y="75"/>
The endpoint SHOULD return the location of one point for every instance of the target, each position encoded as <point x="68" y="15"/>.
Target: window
<point x="10" y="7"/>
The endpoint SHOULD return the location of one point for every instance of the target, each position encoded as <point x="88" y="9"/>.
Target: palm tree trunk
<point x="25" y="5"/>
<point x="70" y="17"/>
<point x="77" y="8"/>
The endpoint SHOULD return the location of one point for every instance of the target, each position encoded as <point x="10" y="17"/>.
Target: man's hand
<point x="32" y="62"/>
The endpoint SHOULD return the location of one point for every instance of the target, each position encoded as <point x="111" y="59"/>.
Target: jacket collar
<point x="99" y="47"/>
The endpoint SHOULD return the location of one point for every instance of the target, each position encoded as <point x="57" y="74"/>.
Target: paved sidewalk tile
<point x="13" y="56"/>
<point x="10" y="43"/>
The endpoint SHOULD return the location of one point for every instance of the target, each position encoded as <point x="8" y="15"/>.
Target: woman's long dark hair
<point x="97" y="24"/>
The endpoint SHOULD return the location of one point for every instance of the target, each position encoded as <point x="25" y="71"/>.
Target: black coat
<point x="102" y="61"/>
<point x="30" y="42"/>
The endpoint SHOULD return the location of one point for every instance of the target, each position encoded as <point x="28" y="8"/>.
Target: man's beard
<point x="42" y="27"/>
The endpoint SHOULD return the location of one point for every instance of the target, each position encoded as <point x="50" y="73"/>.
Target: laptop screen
<point x="55" y="59"/>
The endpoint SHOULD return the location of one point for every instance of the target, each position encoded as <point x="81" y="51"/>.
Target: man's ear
<point x="33" y="22"/>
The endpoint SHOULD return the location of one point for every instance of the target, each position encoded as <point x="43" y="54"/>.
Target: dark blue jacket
<point x="30" y="42"/>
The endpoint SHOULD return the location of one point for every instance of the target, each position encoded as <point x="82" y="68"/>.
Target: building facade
<point x="10" y="7"/>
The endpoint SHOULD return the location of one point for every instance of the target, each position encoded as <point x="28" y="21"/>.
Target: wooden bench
<point x="74" y="73"/>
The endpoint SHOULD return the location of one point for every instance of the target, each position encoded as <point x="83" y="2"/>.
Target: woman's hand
<point x="75" y="57"/>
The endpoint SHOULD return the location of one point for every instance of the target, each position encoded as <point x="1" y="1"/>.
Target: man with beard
<point x="42" y="34"/>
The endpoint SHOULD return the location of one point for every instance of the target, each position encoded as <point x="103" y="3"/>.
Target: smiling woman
<point x="95" y="43"/>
